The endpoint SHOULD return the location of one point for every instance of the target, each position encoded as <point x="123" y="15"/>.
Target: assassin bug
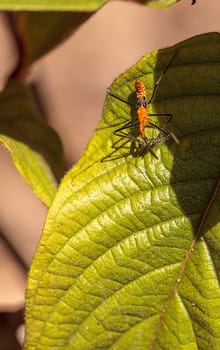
<point x="143" y="115"/>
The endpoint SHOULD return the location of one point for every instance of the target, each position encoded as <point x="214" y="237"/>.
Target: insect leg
<point x="120" y="131"/>
<point x="158" y="128"/>
<point x="160" y="78"/>
<point x="169" y="117"/>
<point x="165" y="132"/>
<point x="120" y="98"/>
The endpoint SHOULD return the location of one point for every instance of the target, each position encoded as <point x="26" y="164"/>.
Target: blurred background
<point x="71" y="83"/>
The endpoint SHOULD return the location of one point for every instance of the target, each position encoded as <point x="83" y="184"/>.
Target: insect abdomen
<point x="140" y="89"/>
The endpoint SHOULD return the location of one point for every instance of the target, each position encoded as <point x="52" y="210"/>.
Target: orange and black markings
<point x="143" y="116"/>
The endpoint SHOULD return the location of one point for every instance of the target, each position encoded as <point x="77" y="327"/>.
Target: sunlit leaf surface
<point x="129" y="257"/>
<point x="71" y="5"/>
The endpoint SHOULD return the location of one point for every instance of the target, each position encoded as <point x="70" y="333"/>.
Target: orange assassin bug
<point x="143" y="115"/>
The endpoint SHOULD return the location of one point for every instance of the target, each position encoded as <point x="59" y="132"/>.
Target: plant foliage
<point x="129" y="257"/>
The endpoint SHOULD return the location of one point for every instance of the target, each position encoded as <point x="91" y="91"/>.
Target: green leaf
<point x="35" y="148"/>
<point x="39" y="32"/>
<point x="71" y="5"/>
<point x="67" y="5"/>
<point x="161" y="3"/>
<point x="158" y="3"/>
<point x="130" y="254"/>
<point x="33" y="169"/>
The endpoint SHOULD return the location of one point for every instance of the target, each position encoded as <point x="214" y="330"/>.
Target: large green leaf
<point x="130" y="254"/>
<point x="35" y="147"/>
<point x="71" y="5"/>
